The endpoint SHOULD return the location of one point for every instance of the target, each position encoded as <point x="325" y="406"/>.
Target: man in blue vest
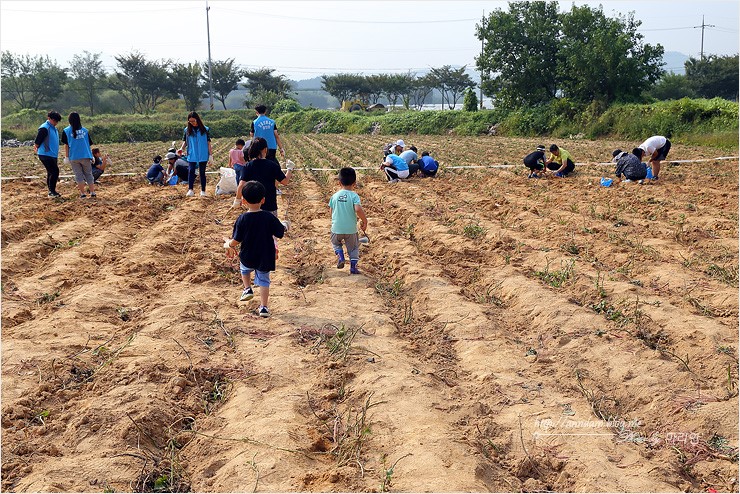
<point x="264" y="127"/>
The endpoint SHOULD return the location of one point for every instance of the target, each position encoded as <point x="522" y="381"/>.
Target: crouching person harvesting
<point x="254" y="230"/>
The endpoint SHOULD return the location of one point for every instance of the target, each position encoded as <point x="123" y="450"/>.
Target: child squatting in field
<point x="254" y="230"/>
<point x="155" y="173"/>
<point x="535" y="161"/>
<point x="345" y="209"/>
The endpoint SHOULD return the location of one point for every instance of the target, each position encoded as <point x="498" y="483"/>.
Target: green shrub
<point x="285" y="106"/>
<point x="470" y="101"/>
<point x="686" y="120"/>
<point x="669" y="118"/>
<point x="529" y="122"/>
<point x="7" y="134"/>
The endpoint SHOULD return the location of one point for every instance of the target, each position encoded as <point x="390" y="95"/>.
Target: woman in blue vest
<point x="46" y="147"/>
<point x="78" y="153"/>
<point x="197" y="141"/>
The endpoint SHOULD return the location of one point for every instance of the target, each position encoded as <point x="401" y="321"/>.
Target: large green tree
<point x="225" y="76"/>
<point x="375" y="85"/>
<point x="520" y="49"/>
<point x="396" y="85"/>
<point x="533" y="54"/>
<point x="451" y="83"/>
<point x="266" y="88"/>
<point x="671" y="86"/>
<point x="343" y="87"/>
<point x="143" y="83"/>
<point x="422" y="88"/>
<point x="714" y="76"/>
<point x="88" y="77"/>
<point x="604" y="59"/>
<point x="405" y="85"/>
<point x="187" y="82"/>
<point x="31" y="81"/>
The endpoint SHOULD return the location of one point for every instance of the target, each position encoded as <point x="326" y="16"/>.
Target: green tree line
<point x="408" y="89"/>
<point x="143" y="85"/>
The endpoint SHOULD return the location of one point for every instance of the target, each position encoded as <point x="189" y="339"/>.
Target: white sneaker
<point x="626" y="180"/>
<point x="394" y="181"/>
<point x="190" y="193"/>
<point x="203" y="193"/>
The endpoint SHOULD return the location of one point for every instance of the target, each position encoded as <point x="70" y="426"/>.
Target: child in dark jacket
<point x="155" y="174"/>
<point x="254" y="230"/>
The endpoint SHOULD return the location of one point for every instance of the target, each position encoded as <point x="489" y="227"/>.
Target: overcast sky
<point x="304" y="39"/>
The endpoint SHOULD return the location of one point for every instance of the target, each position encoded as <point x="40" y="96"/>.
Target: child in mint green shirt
<point x="345" y="209"/>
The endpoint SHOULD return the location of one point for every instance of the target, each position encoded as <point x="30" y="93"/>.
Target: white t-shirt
<point x="652" y="143"/>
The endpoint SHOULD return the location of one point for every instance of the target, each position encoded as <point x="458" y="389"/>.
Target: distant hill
<point x="674" y="62"/>
<point x="307" y="84"/>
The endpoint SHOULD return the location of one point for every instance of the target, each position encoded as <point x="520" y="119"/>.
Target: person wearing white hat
<point x="393" y="147"/>
<point x="177" y="166"/>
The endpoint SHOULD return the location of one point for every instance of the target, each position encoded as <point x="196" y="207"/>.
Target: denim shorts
<point x="238" y="170"/>
<point x="261" y="278"/>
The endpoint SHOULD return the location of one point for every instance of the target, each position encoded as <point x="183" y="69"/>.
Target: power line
<point x="666" y="29"/>
<point x="77" y="12"/>
<point x="345" y="21"/>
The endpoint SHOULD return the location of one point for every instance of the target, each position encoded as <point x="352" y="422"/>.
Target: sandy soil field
<point x="505" y="334"/>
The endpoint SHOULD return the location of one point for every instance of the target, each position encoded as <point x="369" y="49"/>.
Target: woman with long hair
<point x="46" y="147"/>
<point x="78" y="153"/>
<point x="197" y="141"/>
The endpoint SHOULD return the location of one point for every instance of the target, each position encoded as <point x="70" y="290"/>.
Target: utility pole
<point x="210" y="79"/>
<point x="702" y="34"/>
<point x="482" y="47"/>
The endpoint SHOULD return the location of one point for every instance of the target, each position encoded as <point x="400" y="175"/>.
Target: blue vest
<point x="79" y="144"/>
<point x="50" y="146"/>
<point x="264" y="127"/>
<point x="197" y="143"/>
<point x="398" y="162"/>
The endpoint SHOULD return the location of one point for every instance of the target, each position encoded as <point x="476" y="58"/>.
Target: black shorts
<point x="663" y="152"/>
<point x="181" y="172"/>
<point x="532" y="163"/>
<point x="569" y="166"/>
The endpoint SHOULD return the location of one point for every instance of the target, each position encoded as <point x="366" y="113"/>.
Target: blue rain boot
<point x="340" y="258"/>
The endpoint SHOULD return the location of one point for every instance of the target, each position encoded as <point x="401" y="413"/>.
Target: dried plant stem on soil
<point x="524" y="447"/>
<point x="187" y="354"/>
<point x="248" y="440"/>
